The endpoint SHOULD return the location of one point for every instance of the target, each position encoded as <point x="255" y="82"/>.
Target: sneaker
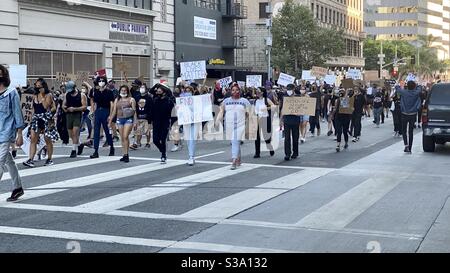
<point x="256" y="156"/>
<point x="175" y="148"/>
<point x="287" y="158"/>
<point x="311" y="134"/>
<point x="105" y="144"/>
<point x="49" y="162"/>
<point x="338" y="149"/>
<point x="80" y="149"/>
<point x="294" y="156"/>
<point x="73" y="154"/>
<point x="148" y="145"/>
<point x="355" y="139"/>
<point x="94" y="155"/>
<point x="163" y="160"/>
<point x="15" y="195"/>
<point x="29" y="163"/>
<point x="406" y="150"/>
<point x="272" y="153"/>
<point x="126" y="159"/>
<point x="346" y="146"/>
<point x="111" y="151"/>
<point x="302" y="140"/>
<point x="191" y="161"/>
<point x="14" y="154"/>
<point x="234" y="165"/>
<point x="329" y="133"/>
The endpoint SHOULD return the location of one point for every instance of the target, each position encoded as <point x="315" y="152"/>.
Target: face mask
<point x="123" y="95"/>
<point x="289" y="93"/>
<point x="101" y="84"/>
<point x="143" y="91"/>
<point x="83" y="91"/>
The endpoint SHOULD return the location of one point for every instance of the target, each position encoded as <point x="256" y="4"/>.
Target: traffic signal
<point x="413" y="59"/>
<point x="394" y="74"/>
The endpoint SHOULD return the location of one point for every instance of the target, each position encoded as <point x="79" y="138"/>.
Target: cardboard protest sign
<point x="347" y="105"/>
<point x="319" y="72"/>
<point x="194" y="109"/>
<point x="347" y="83"/>
<point x="371" y="75"/>
<point x="18" y="75"/>
<point x="225" y="82"/>
<point x="241" y="84"/>
<point x="285" y="79"/>
<point x="82" y="76"/>
<point x="299" y="106"/>
<point x="354" y="74"/>
<point x="411" y="77"/>
<point x="306" y="75"/>
<point x="254" y="81"/>
<point x="65" y="77"/>
<point x="26" y="104"/>
<point x="193" y="70"/>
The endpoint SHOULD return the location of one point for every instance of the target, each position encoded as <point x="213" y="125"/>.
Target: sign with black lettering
<point x="26" y="104"/>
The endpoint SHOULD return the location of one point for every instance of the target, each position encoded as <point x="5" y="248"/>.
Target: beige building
<point x="345" y="14"/>
<point x="406" y="19"/>
<point x="71" y="36"/>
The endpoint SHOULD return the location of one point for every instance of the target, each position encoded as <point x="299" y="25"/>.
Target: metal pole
<point x="381" y="60"/>
<point x="269" y="69"/>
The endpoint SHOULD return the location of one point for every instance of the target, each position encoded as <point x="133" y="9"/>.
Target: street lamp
<point x="269" y="40"/>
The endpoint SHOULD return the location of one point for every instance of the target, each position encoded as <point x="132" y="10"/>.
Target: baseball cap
<point x="70" y="86"/>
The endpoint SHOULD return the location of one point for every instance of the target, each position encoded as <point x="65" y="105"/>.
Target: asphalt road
<point x="371" y="197"/>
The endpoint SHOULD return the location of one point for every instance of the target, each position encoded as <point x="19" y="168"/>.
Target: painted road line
<point x="61" y="167"/>
<point x="343" y="210"/>
<point x="211" y="154"/>
<point x="242" y="201"/>
<point x="100" y="238"/>
<point x="90" y="180"/>
<point x="127" y="199"/>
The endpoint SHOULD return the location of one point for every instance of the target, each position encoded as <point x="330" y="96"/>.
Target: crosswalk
<point x="211" y="194"/>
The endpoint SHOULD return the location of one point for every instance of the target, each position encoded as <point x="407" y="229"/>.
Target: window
<point x="262" y="10"/>
<point x="208" y="4"/>
<point x="139" y="4"/>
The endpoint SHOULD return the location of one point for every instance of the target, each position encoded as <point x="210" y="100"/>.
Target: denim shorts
<point x="304" y="118"/>
<point x="124" y="121"/>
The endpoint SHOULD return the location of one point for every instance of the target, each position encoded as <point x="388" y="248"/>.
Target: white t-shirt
<point x="261" y="108"/>
<point x="235" y="110"/>
<point x="369" y="91"/>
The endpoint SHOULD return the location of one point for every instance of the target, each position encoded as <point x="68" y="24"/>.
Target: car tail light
<point x="425" y="115"/>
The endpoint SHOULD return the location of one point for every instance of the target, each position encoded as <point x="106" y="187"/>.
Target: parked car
<point x="436" y="117"/>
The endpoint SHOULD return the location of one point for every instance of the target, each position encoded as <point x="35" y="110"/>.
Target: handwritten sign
<point x="225" y="82"/>
<point x="82" y="76"/>
<point x="285" y="79"/>
<point x="411" y="77"/>
<point x="193" y="70"/>
<point x="299" y="106"/>
<point x="347" y="105"/>
<point x="64" y="77"/>
<point x="319" y="72"/>
<point x="330" y="79"/>
<point x="18" y="75"/>
<point x="354" y="74"/>
<point x="306" y="75"/>
<point x="371" y="75"/>
<point x="26" y="104"/>
<point x="254" y="81"/>
<point x="194" y="109"/>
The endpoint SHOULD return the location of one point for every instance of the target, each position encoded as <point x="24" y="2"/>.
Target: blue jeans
<point x="190" y="131"/>
<point x="101" y="119"/>
<point x="85" y="119"/>
<point x="377" y="114"/>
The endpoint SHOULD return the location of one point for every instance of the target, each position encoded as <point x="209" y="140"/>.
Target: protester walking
<point x="74" y="105"/>
<point x="410" y="104"/>
<point x="11" y="126"/>
<point x="378" y="107"/>
<point x="291" y="126"/>
<point x="359" y="103"/>
<point x="344" y="111"/>
<point x="263" y="112"/>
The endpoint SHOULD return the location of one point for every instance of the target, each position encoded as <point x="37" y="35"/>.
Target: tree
<point x="372" y="49"/>
<point x="300" y="43"/>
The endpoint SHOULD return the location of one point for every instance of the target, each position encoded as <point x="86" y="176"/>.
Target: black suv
<point x="436" y="117"/>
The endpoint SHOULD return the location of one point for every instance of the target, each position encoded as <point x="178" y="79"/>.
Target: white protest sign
<point x="225" y="82"/>
<point x="194" y="109"/>
<point x="354" y="74"/>
<point x="241" y="84"/>
<point x="285" y="79"/>
<point x="254" y="80"/>
<point x="411" y="77"/>
<point x="193" y="70"/>
<point x="307" y="76"/>
<point x="330" y="79"/>
<point x="18" y="75"/>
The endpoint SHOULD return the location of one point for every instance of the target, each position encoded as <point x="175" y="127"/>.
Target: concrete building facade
<point x="343" y="14"/>
<point x="134" y="36"/>
<point x="406" y="19"/>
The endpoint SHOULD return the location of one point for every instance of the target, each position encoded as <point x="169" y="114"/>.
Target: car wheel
<point x="428" y="144"/>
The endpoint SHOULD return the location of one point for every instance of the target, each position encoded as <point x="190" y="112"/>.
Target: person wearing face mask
<point x="235" y="108"/>
<point x="143" y="95"/>
<point x="344" y="110"/>
<point x="163" y="104"/>
<point x="304" y="119"/>
<point x="44" y="109"/>
<point x="263" y="106"/>
<point x="190" y="130"/>
<point x="102" y="103"/>
<point x="10" y="131"/>
<point x="360" y="101"/>
<point x="125" y="111"/>
<point x="112" y="87"/>
<point x="291" y="125"/>
<point x="61" y="121"/>
<point x="143" y="121"/>
<point x="74" y="105"/>
<point x="315" y="120"/>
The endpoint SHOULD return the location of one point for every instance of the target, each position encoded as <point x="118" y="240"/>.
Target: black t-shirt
<point x="103" y="98"/>
<point x="378" y="100"/>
